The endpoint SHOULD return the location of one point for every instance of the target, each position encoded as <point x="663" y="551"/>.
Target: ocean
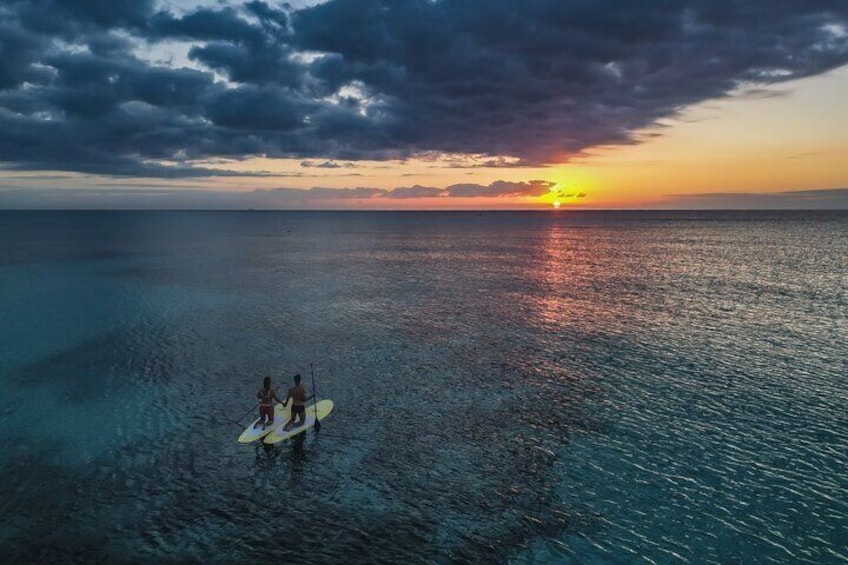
<point x="509" y="387"/>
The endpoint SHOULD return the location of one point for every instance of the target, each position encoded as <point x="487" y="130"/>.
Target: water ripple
<point x="509" y="388"/>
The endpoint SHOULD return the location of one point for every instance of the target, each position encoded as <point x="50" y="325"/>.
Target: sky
<point x="424" y="104"/>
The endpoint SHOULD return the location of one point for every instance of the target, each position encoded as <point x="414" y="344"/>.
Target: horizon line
<point x="427" y="210"/>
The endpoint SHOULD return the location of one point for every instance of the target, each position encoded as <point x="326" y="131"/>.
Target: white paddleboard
<point x="251" y="433"/>
<point x="324" y="407"/>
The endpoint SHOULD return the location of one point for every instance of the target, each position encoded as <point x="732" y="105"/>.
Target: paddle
<point x="248" y="412"/>
<point x="315" y="399"/>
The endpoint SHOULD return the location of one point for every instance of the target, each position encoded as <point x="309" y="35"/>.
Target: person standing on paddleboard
<point x="297" y="394"/>
<point x="266" y="396"/>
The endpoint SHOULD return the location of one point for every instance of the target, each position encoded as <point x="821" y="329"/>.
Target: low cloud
<point x="501" y="188"/>
<point x="326" y="165"/>
<point x="334" y="193"/>
<point x="172" y="197"/>
<point x="188" y="197"/>
<point x="417" y="191"/>
<point x="564" y="194"/>
<point x="834" y="199"/>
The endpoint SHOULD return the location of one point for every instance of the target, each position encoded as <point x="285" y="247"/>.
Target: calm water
<point x="509" y="387"/>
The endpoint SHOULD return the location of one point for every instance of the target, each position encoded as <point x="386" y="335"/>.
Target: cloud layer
<point x="833" y="198"/>
<point x="12" y="197"/>
<point x="532" y="82"/>
<point x="319" y="198"/>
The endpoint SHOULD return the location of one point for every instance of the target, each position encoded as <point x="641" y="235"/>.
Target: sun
<point x="557" y="204"/>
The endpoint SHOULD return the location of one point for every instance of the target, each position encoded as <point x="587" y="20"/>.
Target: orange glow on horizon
<point x="796" y="138"/>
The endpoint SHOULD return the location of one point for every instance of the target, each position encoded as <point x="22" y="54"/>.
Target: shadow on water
<point x="291" y="454"/>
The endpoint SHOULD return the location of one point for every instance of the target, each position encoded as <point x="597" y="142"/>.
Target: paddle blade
<point x="317" y="425"/>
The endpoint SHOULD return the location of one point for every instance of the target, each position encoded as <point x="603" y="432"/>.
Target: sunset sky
<point x="424" y="104"/>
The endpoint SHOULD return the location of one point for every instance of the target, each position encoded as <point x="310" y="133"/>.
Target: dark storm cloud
<point x="224" y="24"/>
<point x="69" y="18"/>
<point x="528" y="82"/>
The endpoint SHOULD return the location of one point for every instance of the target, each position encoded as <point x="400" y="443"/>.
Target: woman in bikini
<point x="266" y="396"/>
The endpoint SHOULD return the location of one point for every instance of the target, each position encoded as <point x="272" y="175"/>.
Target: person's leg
<point x="301" y="417"/>
<point x="266" y="416"/>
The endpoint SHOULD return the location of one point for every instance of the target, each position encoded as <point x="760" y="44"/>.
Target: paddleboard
<point x="279" y="434"/>
<point x="251" y="434"/>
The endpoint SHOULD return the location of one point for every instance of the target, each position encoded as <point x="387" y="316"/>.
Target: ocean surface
<point x="551" y="387"/>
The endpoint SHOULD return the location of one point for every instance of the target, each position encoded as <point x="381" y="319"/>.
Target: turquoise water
<point x="509" y="387"/>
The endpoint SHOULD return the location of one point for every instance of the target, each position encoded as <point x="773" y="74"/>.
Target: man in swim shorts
<point x="297" y="394"/>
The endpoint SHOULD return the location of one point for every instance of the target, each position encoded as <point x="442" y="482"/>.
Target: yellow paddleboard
<point x="251" y="434"/>
<point x="324" y="407"/>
